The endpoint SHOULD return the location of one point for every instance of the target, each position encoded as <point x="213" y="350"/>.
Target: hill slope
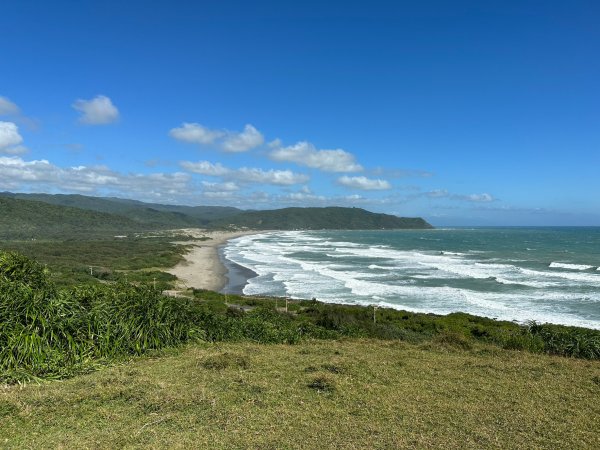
<point x="151" y="214"/>
<point x="320" y="218"/>
<point x="102" y="214"/>
<point x="27" y="219"/>
<point x="321" y="394"/>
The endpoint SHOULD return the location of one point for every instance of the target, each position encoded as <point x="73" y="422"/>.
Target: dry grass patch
<point x="356" y="394"/>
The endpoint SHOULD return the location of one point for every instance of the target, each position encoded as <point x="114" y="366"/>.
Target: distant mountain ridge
<point x="332" y="217"/>
<point x="46" y="215"/>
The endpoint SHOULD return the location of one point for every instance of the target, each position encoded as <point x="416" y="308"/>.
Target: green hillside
<point x="98" y="214"/>
<point x="27" y="219"/>
<point x="151" y="214"/>
<point x="318" y="219"/>
<point x="205" y="213"/>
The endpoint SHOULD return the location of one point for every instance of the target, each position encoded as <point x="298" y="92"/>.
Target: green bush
<point x="46" y="332"/>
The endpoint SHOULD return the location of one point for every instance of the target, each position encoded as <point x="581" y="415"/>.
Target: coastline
<point x="237" y="276"/>
<point x="203" y="266"/>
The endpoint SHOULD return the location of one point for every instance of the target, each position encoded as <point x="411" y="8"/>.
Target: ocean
<point x="520" y="274"/>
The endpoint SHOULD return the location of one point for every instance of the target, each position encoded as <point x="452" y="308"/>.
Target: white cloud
<point x="205" y="168"/>
<point x="480" y="198"/>
<point x="18" y="174"/>
<point x="218" y="195"/>
<point x="10" y="139"/>
<point x="8" y="108"/>
<point x="194" y="133"/>
<point x="229" y="141"/>
<point x="276" y="177"/>
<point x="306" y="154"/>
<point x="244" y="141"/>
<point x="229" y="186"/>
<point x="246" y="174"/>
<point x="364" y="183"/>
<point x="97" y="111"/>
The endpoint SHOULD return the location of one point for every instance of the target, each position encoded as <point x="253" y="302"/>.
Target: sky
<point x="461" y="112"/>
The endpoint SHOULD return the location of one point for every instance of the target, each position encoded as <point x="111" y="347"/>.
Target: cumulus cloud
<point x="364" y="183"/>
<point x="229" y="186"/>
<point x="276" y="177"/>
<point x="246" y="174"/>
<point x="18" y="174"/>
<point x="194" y="133"/>
<point x="97" y="111"/>
<point x="229" y="141"/>
<point x="10" y="139"/>
<point x="306" y="154"/>
<point x="244" y="141"/>
<point x="8" y="108"/>
<point x="205" y="168"/>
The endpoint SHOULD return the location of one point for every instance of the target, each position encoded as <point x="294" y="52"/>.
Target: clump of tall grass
<point x="37" y="324"/>
<point x="50" y="333"/>
<point x="567" y="341"/>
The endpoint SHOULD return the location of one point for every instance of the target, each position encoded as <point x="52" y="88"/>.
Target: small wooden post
<point x="154" y="282"/>
<point x="286" y="304"/>
<point x="91" y="271"/>
<point x="374" y="315"/>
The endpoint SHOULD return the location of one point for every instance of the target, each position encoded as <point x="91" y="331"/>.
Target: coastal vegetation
<point x="347" y="393"/>
<point x="50" y="332"/>
<point x="27" y="220"/>
<point x="154" y="215"/>
<point x="214" y="370"/>
<point x="134" y="258"/>
<point x="336" y="218"/>
<point x="39" y="216"/>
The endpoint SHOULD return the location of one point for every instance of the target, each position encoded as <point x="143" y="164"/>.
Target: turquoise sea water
<point x="543" y="274"/>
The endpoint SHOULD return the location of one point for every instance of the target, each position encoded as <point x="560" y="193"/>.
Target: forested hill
<point x="26" y="219"/>
<point x="150" y="214"/>
<point x="27" y="216"/>
<point x="320" y="218"/>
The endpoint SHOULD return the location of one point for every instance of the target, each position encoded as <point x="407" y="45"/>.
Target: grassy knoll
<point x="350" y="393"/>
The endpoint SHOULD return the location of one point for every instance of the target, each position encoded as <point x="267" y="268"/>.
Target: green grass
<point x="135" y="259"/>
<point x="51" y="332"/>
<point x="213" y="375"/>
<point x="351" y="394"/>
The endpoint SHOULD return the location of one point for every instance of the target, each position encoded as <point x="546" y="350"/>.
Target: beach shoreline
<point x="203" y="266"/>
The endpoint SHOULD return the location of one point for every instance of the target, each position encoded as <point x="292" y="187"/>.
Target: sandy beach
<point x="202" y="267"/>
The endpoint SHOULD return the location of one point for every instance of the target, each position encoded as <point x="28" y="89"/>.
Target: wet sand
<point x="203" y="267"/>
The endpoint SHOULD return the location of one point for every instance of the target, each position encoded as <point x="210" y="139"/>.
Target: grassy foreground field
<point x="349" y="393"/>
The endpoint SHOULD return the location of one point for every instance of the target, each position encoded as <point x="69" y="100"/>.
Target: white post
<point x="91" y="271"/>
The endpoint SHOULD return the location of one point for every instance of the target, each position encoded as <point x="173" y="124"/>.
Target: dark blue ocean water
<point x="543" y="274"/>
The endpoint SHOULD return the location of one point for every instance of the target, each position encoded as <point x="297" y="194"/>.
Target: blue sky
<point x="463" y="112"/>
